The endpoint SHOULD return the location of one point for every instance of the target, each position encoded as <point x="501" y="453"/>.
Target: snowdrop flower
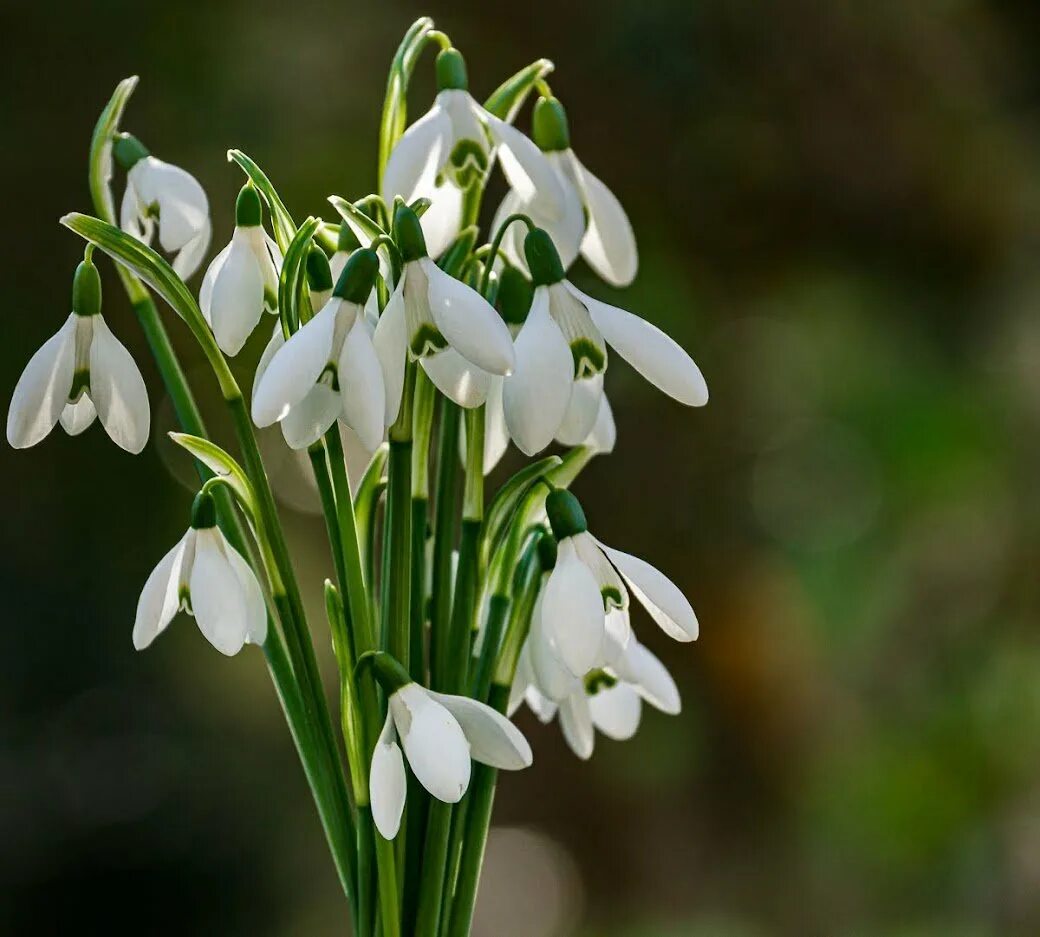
<point x="327" y="369"/>
<point x="206" y="577"/>
<point x="346" y="243"/>
<point x="563" y="344"/>
<point x="450" y="149"/>
<point x="242" y="281"/>
<point x="80" y="373"/>
<point x="447" y="326"/>
<point x="157" y="191"/>
<point x="591" y="578"/>
<point x="441" y="734"/>
<point x="589" y="219"/>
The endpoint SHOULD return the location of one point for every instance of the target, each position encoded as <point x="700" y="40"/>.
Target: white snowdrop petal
<point x="237" y="298"/>
<point x="218" y="603"/>
<point x="616" y="711"/>
<point x="585" y="403"/>
<point x="576" y="724"/>
<point x="455" y="377"/>
<point x="183" y="206"/>
<point x="442" y="221"/>
<point x="493" y="739"/>
<point x="536" y="395"/>
<point x="572" y="611"/>
<point x="256" y="609"/>
<point x="651" y="679"/>
<point x="603" y="437"/>
<point x="388" y="784"/>
<point x="77" y="417"/>
<point x="43" y="389"/>
<point x="521" y="681"/>
<point x="657" y="593"/>
<point x="391" y="344"/>
<point x="159" y="599"/>
<point x="434" y="743"/>
<point x="617" y="636"/>
<point x="310" y="419"/>
<point x="543" y="707"/>
<point x="469" y="322"/>
<point x="361" y="385"/>
<point x="610" y="585"/>
<point x="270" y="349"/>
<point x="117" y="390"/>
<point x="190" y="257"/>
<point x="496" y="434"/>
<point x="413" y="164"/>
<point x="549" y="674"/>
<point x="208" y="279"/>
<point x="609" y="244"/>
<point x="661" y="360"/>
<point x="525" y="166"/>
<point x="294" y="368"/>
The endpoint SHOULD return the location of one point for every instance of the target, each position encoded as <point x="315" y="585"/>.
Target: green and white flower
<point x="447" y="326"/>
<point x="561" y="353"/>
<point x="449" y="150"/>
<point x="161" y="195"/>
<point x="589" y="220"/>
<point x="241" y="283"/>
<point x="441" y="734"/>
<point x="206" y="577"/>
<point x="81" y="373"/>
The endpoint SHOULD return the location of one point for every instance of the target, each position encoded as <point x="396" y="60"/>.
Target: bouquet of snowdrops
<point x="395" y="332"/>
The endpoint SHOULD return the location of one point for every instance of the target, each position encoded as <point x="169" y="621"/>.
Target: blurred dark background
<point x="837" y="208"/>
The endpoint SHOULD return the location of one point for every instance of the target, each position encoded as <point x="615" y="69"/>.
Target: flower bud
<point x="451" y="71"/>
<point x="203" y="511"/>
<point x="549" y="124"/>
<point x="319" y="273"/>
<point x="408" y="233"/>
<point x="546" y="552"/>
<point x="128" y="151"/>
<point x="542" y="258"/>
<point x="358" y="277"/>
<point x="514" y="295"/>
<point x="249" y="212"/>
<point x="565" y="514"/>
<point x="86" y="289"/>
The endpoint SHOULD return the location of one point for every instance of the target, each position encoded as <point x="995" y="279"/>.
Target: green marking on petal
<point x="589" y="359"/>
<point x="427" y="341"/>
<point x="596" y="680"/>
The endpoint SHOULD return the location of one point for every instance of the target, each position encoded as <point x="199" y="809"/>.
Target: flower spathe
<point x="450" y="150"/>
<point x="81" y="373"/>
<point x="327" y="369"/>
<point x="447" y="326"/>
<point x="160" y="195"/>
<point x="241" y="283"/>
<point x="441" y="734"/>
<point x="563" y="345"/>
<point x="206" y="577"/>
<point x="588" y="220"/>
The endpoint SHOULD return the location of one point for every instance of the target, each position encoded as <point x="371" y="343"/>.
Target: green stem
<point x="398" y="534"/>
<point x="445" y="510"/>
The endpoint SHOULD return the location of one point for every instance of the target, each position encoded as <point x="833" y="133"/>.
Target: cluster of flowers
<point x="381" y="305"/>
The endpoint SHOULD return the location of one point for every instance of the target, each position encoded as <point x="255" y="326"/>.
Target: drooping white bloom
<point x="563" y="344"/>
<point x="447" y="326"/>
<point x="81" y="373"/>
<point x="348" y="242"/>
<point x="206" y="577"/>
<point x="242" y="281"/>
<point x="589" y="580"/>
<point x="451" y="148"/>
<point x="441" y="734"/>
<point x="328" y="369"/>
<point x="589" y="220"/>
<point x="161" y="195"/>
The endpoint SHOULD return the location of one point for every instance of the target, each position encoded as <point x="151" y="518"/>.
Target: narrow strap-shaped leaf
<point x="293" y="276"/>
<point x="101" y="148"/>
<point x="395" y="106"/>
<point x="282" y="222"/>
<point x="356" y="217"/>
<point x="508" y="497"/>
<point x="507" y="99"/>
<point x="221" y="464"/>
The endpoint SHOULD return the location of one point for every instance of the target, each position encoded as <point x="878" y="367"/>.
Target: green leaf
<point x="293" y="276"/>
<point x="369" y="490"/>
<point x="506" y="100"/>
<point x="395" y="104"/>
<point x="101" y="148"/>
<point x="281" y="220"/>
<point x="507" y="500"/>
<point x="357" y="219"/>
<point x="220" y="464"/>
<point x="455" y="256"/>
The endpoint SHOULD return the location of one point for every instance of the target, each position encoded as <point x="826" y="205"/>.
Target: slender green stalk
<point x="445" y="510"/>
